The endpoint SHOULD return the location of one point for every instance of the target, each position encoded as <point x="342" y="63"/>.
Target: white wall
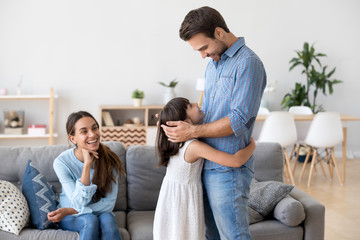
<point x="97" y="52"/>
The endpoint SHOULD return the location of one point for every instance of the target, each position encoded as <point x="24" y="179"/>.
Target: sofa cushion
<point x="269" y="161"/>
<point x="42" y="157"/>
<point x="273" y="229"/>
<point x="265" y="195"/>
<point x="35" y="234"/>
<point x="254" y="216"/>
<point x="121" y="200"/>
<point x="120" y="217"/>
<point x="14" y="210"/>
<point x="289" y="211"/>
<point x="140" y="224"/>
<point x="144" y="177"/>
<point x="40" y="196"/>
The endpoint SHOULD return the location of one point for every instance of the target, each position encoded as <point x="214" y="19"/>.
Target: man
<point x="234" y="82"/>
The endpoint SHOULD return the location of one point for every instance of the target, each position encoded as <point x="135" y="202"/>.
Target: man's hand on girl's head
<point x="178" y="131"/>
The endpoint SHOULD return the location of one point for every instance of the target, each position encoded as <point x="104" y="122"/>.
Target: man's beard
<point x="219" y="51"/>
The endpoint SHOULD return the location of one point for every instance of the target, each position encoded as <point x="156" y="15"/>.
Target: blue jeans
<point x="226" y="192"/>
<point x="90" y="226"/>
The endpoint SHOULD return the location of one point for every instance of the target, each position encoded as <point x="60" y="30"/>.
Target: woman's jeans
<point x="226" y="192"/>
<point x="90" y="226"/>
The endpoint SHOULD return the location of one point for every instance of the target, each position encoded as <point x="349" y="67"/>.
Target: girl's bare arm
<point x="198" y="149"/>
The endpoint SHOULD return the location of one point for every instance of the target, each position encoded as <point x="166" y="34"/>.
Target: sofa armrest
<point x="314" y="223"/>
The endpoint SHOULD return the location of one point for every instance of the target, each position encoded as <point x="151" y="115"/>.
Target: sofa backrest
<point x="140" y="189"/>
<point x="268" y="161"/>
<point x="121" y="201"/>
<point x="144" y="177"/>
<point x="13" y="161"/>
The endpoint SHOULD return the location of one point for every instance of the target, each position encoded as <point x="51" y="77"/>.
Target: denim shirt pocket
<point x="226" y="85"/>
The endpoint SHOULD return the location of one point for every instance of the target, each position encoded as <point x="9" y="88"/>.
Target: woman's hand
<point x="88" y="160"/>
<point x="88" y="155"/>
<point x="60" y="213"/>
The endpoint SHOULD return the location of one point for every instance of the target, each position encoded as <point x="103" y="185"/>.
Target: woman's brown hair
<point x="104" y="165"/>
<point x="174" y="110"/>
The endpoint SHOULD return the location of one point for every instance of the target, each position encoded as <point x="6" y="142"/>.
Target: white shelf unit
<point x="130" y="134"/>
<point x="50" y="135"/>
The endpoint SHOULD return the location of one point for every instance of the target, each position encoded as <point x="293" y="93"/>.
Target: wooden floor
<point x="342" y="203"/>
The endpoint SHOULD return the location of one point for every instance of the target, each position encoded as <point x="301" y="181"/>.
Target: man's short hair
<point x="201" y="20"/>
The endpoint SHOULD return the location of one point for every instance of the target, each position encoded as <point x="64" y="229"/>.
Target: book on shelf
<point x="14" y="131"/>
<point x="107" y="119"/>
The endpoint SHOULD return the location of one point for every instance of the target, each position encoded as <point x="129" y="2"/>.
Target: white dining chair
<point x="325" y="132"/>
<point x="301" y="110"/>
<point x="263" y="111"/>
<point x="280" y="127"/>
<point x="258" y="125"/>
<point x="301" y="129"/>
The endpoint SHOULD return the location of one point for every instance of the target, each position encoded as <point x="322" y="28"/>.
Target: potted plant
<point x="137" y="97"/>
<point x="170" y="92"/>
<point x="316" y="81"/>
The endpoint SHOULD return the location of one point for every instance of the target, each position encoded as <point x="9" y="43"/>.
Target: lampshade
<point x="200" y="84"/>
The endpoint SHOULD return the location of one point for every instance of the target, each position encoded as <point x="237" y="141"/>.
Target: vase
<point x="137" y="102"/>
<point x="3" y="91"/>
<point x="169" y="94"/>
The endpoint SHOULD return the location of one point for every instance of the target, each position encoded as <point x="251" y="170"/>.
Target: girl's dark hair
<point x="107" y="161"/>
<point x="201" y="20"/>
<point x="174" y="110"/>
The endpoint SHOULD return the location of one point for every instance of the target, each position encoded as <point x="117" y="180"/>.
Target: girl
<point x="88" y="174"/>
<point x="179" y="212"/>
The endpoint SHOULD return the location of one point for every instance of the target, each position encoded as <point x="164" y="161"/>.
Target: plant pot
<point x="169" y="94"/>
<point x="137" y="102"/>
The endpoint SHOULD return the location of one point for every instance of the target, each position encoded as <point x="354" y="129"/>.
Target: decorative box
<point x="13" y="131"/>
<point x="36" y="129"/>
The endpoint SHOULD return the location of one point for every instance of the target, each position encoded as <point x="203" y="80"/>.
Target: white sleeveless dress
<point x="180" y="211"/>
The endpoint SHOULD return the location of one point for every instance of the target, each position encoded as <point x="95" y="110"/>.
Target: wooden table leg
<point x="344" y="153"/>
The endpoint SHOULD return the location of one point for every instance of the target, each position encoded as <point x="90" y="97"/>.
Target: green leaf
<point x="172" y="83"/>
<point x="312" y="50"/>
<point x="306" y="47"/>
<point x="138" y="94"/>
<point x="331" y="73"/>
<point x="331" y="90"/>
<point x="299" y="54"/>
<point x="336" y="81"/>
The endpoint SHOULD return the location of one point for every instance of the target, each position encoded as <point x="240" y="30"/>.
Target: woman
<point x="89" y="175"/>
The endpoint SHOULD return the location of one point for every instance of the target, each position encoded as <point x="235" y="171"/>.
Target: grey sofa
<point x="138" y="192"/>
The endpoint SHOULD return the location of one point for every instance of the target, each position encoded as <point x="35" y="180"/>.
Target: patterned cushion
<point x="14" y="210"/>
<point x="254" y="216"/>
<point x="40" y="196"/>
<point x="265" y="195"/>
